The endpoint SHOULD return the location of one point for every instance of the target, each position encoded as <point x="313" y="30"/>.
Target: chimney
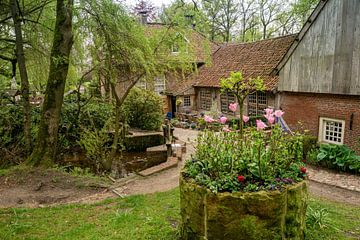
<point x="143" y="17"/>
<point x="190" y="20"/>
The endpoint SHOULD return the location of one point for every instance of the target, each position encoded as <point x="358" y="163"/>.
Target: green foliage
<point x="338" y="157"/>
<point x="317" y="218"/>
<point x="266" y="161"/>
<point x="241" y="88"/>
<point x="12" y="142"/>
<point x="74" y="122"/>
<point x="309" y="143"/>
<point x="143" y="109"/>
<point x="92" y="116"/>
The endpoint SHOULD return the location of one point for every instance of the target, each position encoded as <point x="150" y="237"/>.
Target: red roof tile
<point x="252" y="59"/>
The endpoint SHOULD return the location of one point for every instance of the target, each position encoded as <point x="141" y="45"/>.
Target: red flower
<point x="241" y="178"/>
<point x="303" y="170"/>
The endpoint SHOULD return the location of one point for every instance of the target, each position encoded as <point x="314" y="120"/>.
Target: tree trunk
<point x="46" y="144"/>
<point x="23" y="74"/>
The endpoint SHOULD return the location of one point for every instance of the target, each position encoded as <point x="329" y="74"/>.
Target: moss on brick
<point x="258" y="215"/>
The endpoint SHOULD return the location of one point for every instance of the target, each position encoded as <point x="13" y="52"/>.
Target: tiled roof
<point x="252" y="59"/>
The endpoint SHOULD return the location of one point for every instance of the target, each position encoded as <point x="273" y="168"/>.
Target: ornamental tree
<point x="241" y="88"/>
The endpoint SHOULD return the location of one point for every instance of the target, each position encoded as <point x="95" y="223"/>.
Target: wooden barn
<point x="319" y="77"/>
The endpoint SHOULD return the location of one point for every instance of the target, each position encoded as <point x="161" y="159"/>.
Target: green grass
<point x="153" y="216"/>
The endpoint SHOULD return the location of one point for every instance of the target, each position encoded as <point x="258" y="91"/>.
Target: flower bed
<point x="246" y="184"/>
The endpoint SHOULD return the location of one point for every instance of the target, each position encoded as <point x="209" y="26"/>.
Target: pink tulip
<point x="279" y="113"/>
<point x="223" y="120"/>
<point x="260" y="125"/>
<point x="226" y="129"/>
<point x="245" y="119"/>
<point x="233" y="107"/>
<point x="208" y="119"/>
<point x="270" y="118"/>
<point x="269" y="111"/>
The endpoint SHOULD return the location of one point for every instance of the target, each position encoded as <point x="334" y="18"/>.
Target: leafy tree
<point x="185" y="15"/>
<point x="302" y="9"/>
<point x="212" y="11"/>
<point x="129" y="52"/>
<point x="241" y="88"/>
<point x="45" y="149"/>
<point x="228" y="17"/>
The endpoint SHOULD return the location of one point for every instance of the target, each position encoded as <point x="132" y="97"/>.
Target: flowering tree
<point x="241" y="88"/>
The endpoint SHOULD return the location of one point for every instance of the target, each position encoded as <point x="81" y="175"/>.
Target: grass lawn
<point x="154" y="216"/>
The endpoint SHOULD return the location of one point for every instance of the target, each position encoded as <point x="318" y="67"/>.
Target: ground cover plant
<point x="153" y="216"/>
<point x="338" y="157"/>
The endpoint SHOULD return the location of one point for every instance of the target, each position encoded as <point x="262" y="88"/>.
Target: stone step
<point x="170" y="163"/>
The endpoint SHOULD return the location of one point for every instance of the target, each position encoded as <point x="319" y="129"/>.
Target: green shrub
<point x="338" y="157"/>
<point x="92" y="115"/>
<point x="309" y="143"/>
<point x="143" y="109"/>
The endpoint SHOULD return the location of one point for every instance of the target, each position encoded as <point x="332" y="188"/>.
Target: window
<point x="226" y="99"/>
<point x="141" y="84"/>
<point x="331" y="130"/>
<point x="257" y="102"/>
<point x="160" y="85"/>
<point x="187" y="102"/>
<point x="180" y="43"/>
<point x="205" y="99"/>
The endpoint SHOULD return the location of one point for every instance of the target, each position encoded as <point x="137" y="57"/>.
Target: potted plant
<point x="245" y="184"/>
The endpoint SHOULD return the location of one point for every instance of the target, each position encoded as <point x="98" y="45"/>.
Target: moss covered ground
<point x="154" y="216"/>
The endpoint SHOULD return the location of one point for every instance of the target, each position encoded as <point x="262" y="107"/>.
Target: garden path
<point x="323" y="183"/>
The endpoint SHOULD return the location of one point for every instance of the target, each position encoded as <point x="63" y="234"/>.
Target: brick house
<point x="197" y="46"/>
<point x="319" y="77"/>
<point x="252" y="59"/>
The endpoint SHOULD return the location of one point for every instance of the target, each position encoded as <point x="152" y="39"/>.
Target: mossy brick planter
<point x="258" y="215"/>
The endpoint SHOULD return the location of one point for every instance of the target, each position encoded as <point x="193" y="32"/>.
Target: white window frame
<point x="160" y="82"/>
<point x="187" y="101"/>
<point x="322" y="130"/>
<point x="142" y="84"/>
<point x="256" y="103"/>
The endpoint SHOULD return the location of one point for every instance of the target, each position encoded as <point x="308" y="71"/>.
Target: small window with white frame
<point x="331" y="130"/>
<point x="142" y="84"/>
<point x="187" y="102"/>
<point x="160" y="84"/>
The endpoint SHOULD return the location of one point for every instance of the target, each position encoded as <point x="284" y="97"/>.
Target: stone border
<point x="257" y="215"/>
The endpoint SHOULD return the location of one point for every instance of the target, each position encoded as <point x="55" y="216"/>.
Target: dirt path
<point x="37" y="187"/>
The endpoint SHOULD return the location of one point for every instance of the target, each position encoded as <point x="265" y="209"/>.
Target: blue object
<point x="169" y="115"/>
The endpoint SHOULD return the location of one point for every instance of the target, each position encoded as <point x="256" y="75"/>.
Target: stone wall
<point x="139" y="143"/>
<point x="259" y="215"/>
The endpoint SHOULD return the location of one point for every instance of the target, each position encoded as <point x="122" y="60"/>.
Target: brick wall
<point x="308" y="108"/>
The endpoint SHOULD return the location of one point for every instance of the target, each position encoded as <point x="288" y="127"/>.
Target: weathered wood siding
<point x="327" y="59"/>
